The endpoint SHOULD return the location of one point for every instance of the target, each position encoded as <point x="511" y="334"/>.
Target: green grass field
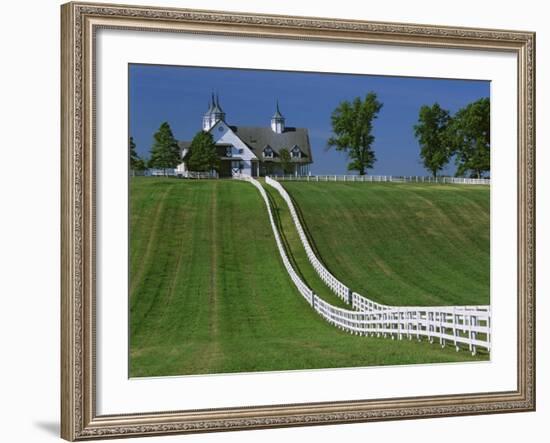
<point x="209" y="293"/>
<point x="401" y="244"/>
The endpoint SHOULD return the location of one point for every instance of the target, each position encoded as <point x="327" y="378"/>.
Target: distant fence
<point x="197" y="175"/>
<point x="469" y="325"/>
<point x="170" y="172"/>
<point x="384" y="178"/>
<point x="161" y="172"/>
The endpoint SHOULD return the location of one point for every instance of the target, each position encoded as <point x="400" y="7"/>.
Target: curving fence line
<point x="304" y="290"/>
<point x="467" y="325"/>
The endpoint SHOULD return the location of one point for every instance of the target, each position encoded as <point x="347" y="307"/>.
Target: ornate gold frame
<point x="79" y="23"/>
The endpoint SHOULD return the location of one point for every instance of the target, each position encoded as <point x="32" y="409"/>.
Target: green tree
<point x="469" y="135"/>
<point x="286" y="161"/>
<point x="165" y="152"/>
<point x="268" y="168"/>
<point x="431" y="134"/>
<point x="202" y="153"/>
<point x="134" y="157"/>
<point x="136" y="162"/>
<point x="352" y="124"/>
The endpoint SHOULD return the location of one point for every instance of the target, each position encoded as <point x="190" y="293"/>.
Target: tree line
<point x="464" y="135"/>
<point x="165" y="152"/>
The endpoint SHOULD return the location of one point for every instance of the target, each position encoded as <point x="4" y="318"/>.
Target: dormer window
<point x="296" y="153"/>
<point x="268" y="152"/>
<point x="228" y="151"/>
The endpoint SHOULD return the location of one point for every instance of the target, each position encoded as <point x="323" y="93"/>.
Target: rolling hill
<point x="401" y="244"/>
<point x="209" y="293"/>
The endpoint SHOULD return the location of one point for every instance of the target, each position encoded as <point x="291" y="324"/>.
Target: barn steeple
<point x="278" y="121"/>
<point x="214" y="113"/>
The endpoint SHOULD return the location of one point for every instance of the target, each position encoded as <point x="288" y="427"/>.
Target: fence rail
<point x="455" y="325"/>
<point x="470" y="325"/>
<point x="196" y="175"/>
<point x="171" y="172"/>
<point x="384" y="178"/>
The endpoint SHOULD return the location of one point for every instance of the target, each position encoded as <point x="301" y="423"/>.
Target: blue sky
<point x="179" y="95"/>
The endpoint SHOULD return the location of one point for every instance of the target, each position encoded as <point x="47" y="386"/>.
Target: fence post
<point x="455" y="321"/>
<point x="441" y="338"/>
<point x="469" y="317"/>
<point x="418" y="325"/>
<point x="474" y="334"/>
<point x="429" y="317"/>
<point x="399" y="333"/>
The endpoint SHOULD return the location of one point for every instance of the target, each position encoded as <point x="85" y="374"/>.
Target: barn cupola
<point x="217" y="112"/>
<point x="278" y="121"/>
<point x="213" y="115"/>
<point x="207" y="116"/>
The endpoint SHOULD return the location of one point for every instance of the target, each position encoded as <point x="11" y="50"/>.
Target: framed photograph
<point x="277" y="221"/>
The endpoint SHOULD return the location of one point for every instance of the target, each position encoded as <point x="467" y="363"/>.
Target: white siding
<point x="222" y="134"/>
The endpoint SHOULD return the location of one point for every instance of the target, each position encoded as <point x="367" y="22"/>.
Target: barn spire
<point x="214" y="113"/>
<point x="278" y="120"/>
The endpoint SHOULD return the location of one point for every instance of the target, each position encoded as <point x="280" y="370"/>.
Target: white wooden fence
<point x="384" y="178"/>
<point x="306" y="292"/>
<point x="171" y="172"/>
<point x="469" y="325"/>
<point x="155" y="172"/>
<point x="197" y="175"/>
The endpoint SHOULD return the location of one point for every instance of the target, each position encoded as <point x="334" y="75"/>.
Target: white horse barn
<point x="251" y="150"/>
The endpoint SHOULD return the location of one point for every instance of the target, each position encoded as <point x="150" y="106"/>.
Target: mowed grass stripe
<point x="216" y="234"/>
<point x="170" y="292"/>
<point x="145" y="231"/>
<point x="402" y="244"/>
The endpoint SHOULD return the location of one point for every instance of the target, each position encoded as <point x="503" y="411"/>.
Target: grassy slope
<point x="209" y="293"/>
<point x="296" y="251"/>
<point x="402" y="244"/>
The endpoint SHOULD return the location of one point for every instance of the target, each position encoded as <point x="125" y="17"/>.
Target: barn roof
<point x="258" y="138"/>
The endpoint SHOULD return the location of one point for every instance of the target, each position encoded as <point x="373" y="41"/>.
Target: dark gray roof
<point x="257" y="138"/>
